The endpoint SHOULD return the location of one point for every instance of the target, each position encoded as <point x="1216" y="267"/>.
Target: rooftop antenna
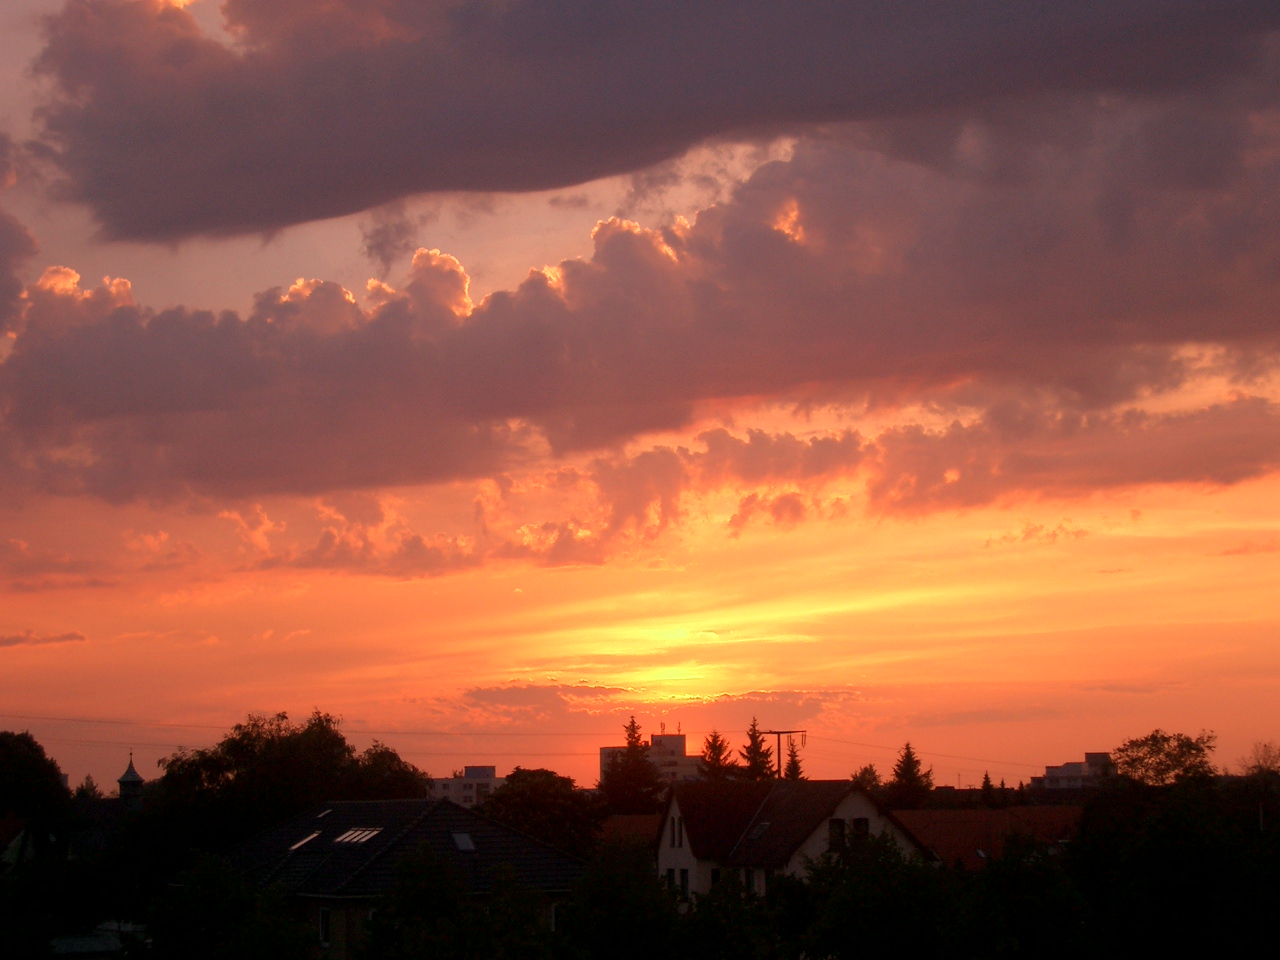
<point x="804" y="741"/>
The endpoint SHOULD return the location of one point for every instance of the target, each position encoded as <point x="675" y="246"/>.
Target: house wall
<point x="346" y="926"/>
<point x="854" y="806"/>
<point x="679" y="856"/>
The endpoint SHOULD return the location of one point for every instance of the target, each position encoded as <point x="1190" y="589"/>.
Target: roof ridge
<point x="377" y="854"/>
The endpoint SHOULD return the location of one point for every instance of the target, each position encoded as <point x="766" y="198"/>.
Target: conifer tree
<point x="757" y="756"/>
<point x="868" y="777"/>
<point x="631" y="783"/>
<point x="793" y="770"/>
<point x="911" y="783"/>
<point x="717" y="761"/>
<point x="988" y="790"/>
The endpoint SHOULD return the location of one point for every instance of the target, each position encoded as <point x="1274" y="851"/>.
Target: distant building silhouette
<point x="470" y="789"/>
<point x="1073" y="776"/>
<point x="667" y="753"/>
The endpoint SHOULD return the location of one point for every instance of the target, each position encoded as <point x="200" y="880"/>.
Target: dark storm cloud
<point x="17" y="246"/>
<point x="1041" y="274"/>
<point x="318" y="110"/>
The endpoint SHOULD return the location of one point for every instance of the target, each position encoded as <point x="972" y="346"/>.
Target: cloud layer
<point x="316" y="110"/>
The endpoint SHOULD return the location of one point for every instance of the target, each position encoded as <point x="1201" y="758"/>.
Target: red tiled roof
<point x="973" y="837"/>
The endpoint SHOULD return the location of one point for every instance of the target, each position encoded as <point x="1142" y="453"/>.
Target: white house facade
<point x="759" y="829"/>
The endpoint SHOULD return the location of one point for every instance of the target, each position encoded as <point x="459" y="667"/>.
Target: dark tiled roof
<point x="959" y="835"/>
<point x="793" y="809"/>
<point x="716" y="813"/>
<point x="324" y="867"/>
<point x="631" y="826"/>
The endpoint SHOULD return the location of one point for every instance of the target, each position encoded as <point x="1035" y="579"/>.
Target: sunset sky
<point x="487" y="371"/>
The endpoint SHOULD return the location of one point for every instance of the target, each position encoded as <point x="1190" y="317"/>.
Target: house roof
<point x="758" y="823"/>
<point x="352" y="849"/>
<point x="974" y="837"/>
<point x="717" y="812"/>
<point x="622" y="827"/>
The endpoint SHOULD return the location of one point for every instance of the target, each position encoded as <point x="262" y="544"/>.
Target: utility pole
<point x="804" y="741"/>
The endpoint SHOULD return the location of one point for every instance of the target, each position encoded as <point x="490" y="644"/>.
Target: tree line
<point x="1168" y="854"/>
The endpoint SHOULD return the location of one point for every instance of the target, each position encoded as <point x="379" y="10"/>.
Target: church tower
<point x="130" y="782"/>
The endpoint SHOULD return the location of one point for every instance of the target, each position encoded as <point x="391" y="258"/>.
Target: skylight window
<point x="306" y="839"/>
<point x="324" y="813"/>
<point x="463" y="841"/>
<point x="358" y="835"/>
<point x="758" y="830"/>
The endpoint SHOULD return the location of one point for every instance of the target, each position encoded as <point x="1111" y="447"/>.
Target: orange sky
<point x="953" y="419"/>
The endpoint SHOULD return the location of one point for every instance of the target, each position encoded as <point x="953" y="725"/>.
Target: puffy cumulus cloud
<point x="1040" y="281"/>
<point x="265" y="130"/>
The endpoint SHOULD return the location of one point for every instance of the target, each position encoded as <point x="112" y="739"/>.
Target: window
<point x="463" y="841"/>
<point x="715" y="875"/>
<point x="306" y="839"/>
<point x="680" y="831"/>
<point x="671" y="878"/>
<point x="684" y="881"/>
<point x="749" y="877"/>
<point x="860" y="827"/>
<point x="758" y="830"/>
<point x="358" y="835"/>
<point x="324" y="813"/>
<point x="324" y="927"/>
<point x="835" y="832"/>
<point x="673" y="831"/>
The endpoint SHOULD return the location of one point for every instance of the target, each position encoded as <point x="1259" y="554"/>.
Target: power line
<point x="934" y="753"/>
<point x="354" y="730"/>
<point x="448" y="733"/>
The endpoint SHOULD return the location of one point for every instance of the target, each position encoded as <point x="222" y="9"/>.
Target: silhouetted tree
<point x="757" y="756"/>
<point x="988" y="791"/>
<point x="1264" y="759"/>
<point x="429" y="913"/>
<point x="1162" y="758"/>
<point x="867" y="777"/>
<point x="210" y="913"/>
<point x="547" y="806"/>
<point x="30" y="783"/>
<point x="620" y="910"/>
<point x="793" y="770"/>
<point x="262" y="772"/>
<point x="88" y="789"/>
<point x="631" y="783"/>
<point x="911" y="783"/>
<point x="717" y="761"/>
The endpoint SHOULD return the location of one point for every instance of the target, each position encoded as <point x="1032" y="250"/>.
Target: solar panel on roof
<point x="758" y="830"/>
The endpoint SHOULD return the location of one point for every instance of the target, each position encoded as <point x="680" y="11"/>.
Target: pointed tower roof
<point x="131" y="775"/>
